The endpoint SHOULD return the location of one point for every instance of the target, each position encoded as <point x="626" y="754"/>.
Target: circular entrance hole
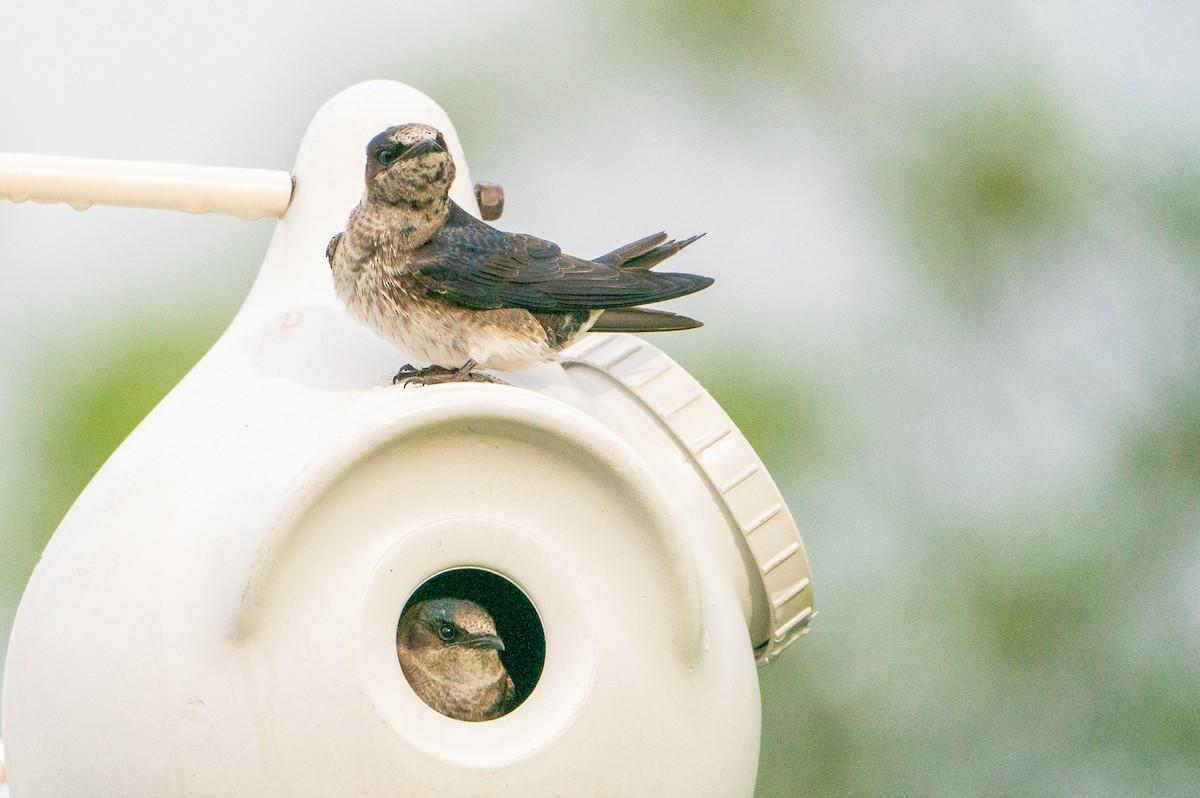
<point x="463" y="634"/>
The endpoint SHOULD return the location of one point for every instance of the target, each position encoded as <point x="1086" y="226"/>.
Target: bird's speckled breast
<point x="480" y="688"/>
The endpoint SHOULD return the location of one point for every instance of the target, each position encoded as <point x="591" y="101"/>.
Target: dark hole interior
<point x="517" y="621"/>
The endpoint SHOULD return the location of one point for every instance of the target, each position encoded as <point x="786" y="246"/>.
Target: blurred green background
<point x="956" y="311"/>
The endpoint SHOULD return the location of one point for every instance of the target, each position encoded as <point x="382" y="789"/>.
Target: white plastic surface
<point x="777" y="584"/>
<point x="216" y="614"/>
<point x="83" y="182"/>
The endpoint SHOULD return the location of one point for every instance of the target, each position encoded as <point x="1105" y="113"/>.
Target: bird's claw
<point x="437" y="375"/>
<point x="407" y="372"/>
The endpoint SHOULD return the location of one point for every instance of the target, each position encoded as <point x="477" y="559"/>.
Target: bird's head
<point x="450" y="654"/>
<point x="409" y="165"/>
<point x="448" y="628"/>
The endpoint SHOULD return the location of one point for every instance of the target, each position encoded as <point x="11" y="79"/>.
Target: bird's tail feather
<point x="645" y="253"/>
<point x="630" y="251"/>
<point x="642" y="320"/>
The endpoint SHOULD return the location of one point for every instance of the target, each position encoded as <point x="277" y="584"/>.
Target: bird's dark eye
<point x="441" y="141"/>
<point x="385" y="157"/>
<point x="446" y="632"/>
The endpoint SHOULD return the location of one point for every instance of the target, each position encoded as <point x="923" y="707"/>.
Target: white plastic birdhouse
<point x="217" y="614"/>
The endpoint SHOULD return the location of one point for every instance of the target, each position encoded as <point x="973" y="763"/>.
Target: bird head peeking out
<point x="410" y="165"/>
<point x="450" y="654"/>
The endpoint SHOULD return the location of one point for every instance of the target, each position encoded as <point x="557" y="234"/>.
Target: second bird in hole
<point x="450" y="653"/>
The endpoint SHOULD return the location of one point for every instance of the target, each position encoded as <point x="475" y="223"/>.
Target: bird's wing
<point x="641" y="320"/>
<point x="476" y="266"/>
<point x="331" y="248"/>
<point x="645" y="253"/>
<point x="507" y="695"/>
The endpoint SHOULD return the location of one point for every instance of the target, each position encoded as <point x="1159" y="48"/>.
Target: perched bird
<point x="458" y="293"/>
<point x="450" y="654"/>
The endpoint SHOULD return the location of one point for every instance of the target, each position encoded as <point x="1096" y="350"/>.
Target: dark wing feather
<point x="477" y="266"/>
<point x="646" y="253"/>
<point x="621" y="255"/>
<point x="642" y="320"/>
<point x="331" y="248"/>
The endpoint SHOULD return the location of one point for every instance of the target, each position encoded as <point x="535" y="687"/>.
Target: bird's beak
<point x="420" y="148"/>
<point x="485" y="641"/>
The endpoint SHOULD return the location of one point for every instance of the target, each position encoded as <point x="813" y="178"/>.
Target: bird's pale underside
<point x="450" y="654"/>
<point x="459" y="294"/>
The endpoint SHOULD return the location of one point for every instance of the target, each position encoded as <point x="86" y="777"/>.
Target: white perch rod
<point x="83" y="182"/>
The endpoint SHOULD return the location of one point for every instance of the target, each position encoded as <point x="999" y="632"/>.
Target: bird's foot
<point x="436" y="375"/>
<point x="407" y="372"/>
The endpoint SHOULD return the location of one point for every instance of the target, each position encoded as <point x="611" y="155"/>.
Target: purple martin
<point x="458" y="293"/>
<point x="450" y="654"/>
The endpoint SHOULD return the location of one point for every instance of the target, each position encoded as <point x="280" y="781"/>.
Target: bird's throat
<point x="403" y="226"/>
